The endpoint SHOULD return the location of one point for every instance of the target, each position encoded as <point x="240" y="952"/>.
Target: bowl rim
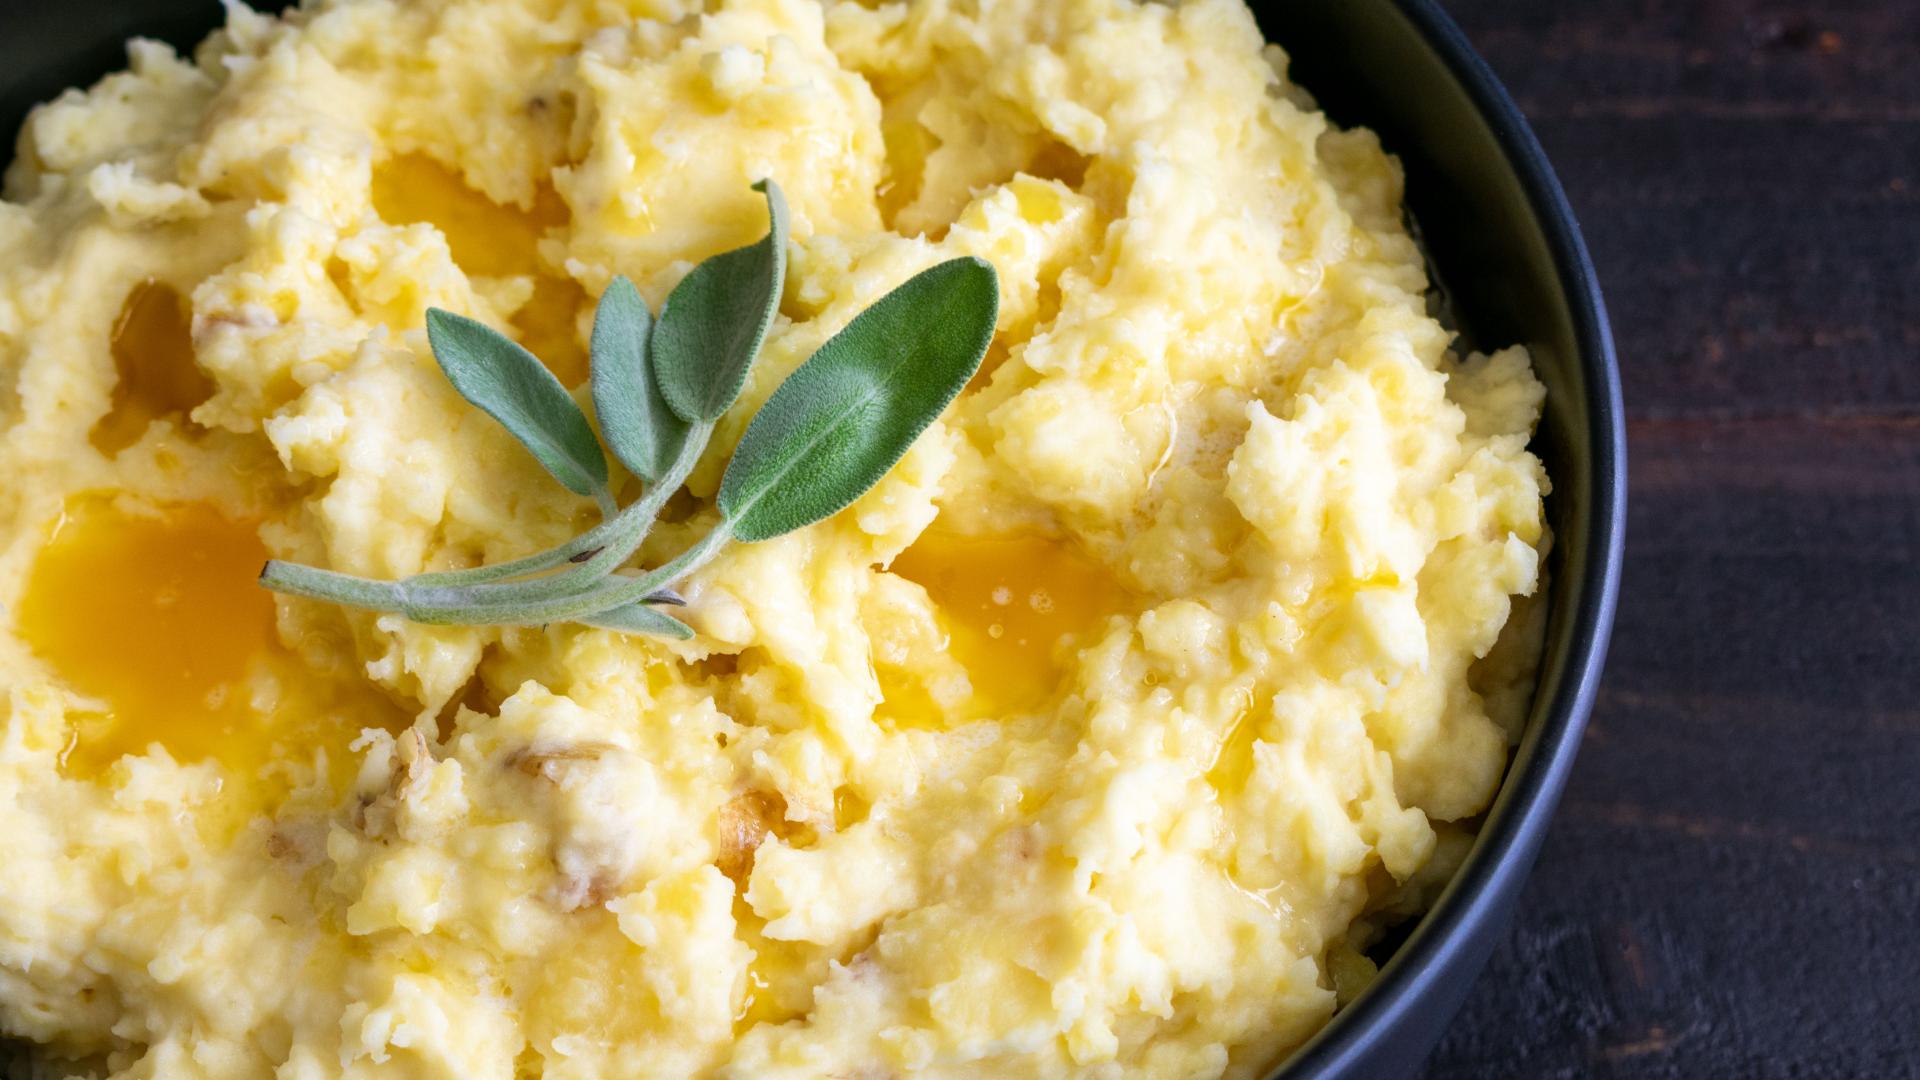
<point x="1443" y="937"/>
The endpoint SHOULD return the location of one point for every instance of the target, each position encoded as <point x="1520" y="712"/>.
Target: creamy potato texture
<point x="1099" y="740"/>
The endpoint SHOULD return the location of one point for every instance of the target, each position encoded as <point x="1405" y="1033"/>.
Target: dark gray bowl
<point x="1509" y="252"/>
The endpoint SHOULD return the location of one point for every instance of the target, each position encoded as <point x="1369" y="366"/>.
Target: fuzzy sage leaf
<point x="634" y="418"/>
<point x="510" y="385"/>
<point x="640" y="619"/>
<point x="713" y="323"/>
<point x="843" y="418"/>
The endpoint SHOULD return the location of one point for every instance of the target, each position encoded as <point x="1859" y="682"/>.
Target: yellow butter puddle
<point x="491" y="240"/>
<point x="1012" y="607"/>
<point x="1232" y="762"/>
<point x="778" y="988"/>
<point x="152" y="349"/>
<point x="158" y="617"/>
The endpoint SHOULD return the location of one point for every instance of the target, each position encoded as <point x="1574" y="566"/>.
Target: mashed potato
<point x="1100" y="739"/>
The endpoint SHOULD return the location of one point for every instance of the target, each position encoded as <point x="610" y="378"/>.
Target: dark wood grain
<point x="1732" y="888"/>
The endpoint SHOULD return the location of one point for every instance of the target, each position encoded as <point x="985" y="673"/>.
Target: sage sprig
<point x="823" y="439"/>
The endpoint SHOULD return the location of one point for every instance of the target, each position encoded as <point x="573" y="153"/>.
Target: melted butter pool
<point x="153" y="364"/>
<point x="1010" y="605"/>
<point x="492" y="240"/>
<point x="159" y="618"/>
<point x="1233" y="762"/>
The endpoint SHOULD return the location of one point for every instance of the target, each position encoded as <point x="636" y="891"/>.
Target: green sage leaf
<point x="634" y="418"/>
<point x="640" y="619"/>
<point x="843" y="418"/>
<point x="513" y="387"/>
<point x="713" y="323"/>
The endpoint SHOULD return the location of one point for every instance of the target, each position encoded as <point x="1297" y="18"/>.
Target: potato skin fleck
<point x="744" y="824"/>
<point x="1276" y="528"/>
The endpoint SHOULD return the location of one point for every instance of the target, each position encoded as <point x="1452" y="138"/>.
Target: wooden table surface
<point x="1732" y="887"/>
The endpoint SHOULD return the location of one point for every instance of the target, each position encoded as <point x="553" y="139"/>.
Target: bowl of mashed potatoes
<point x="1187" y="702"/>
